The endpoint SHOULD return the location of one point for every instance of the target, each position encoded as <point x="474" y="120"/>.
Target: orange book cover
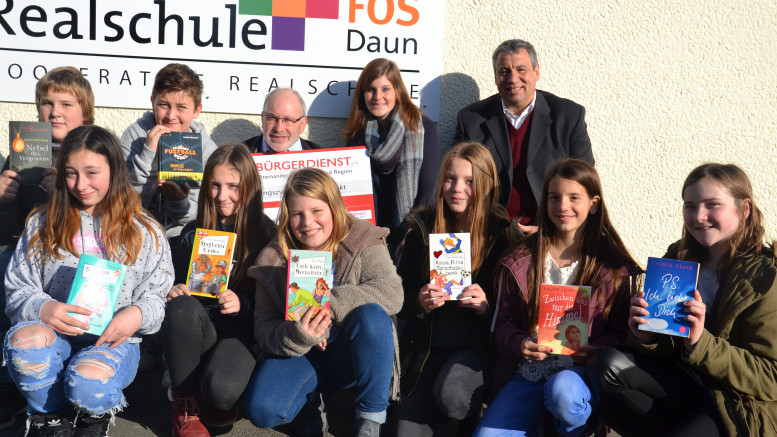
<point x="211" y="262"/>
<point x="563" y="317"/>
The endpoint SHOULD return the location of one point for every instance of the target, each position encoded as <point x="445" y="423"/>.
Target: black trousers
<point x="649" y="397"/>
<point x="207" y="348"/>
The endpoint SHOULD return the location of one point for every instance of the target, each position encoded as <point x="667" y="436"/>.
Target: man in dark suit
<point x="526" y="130"/>
<point x="283" y="120"/>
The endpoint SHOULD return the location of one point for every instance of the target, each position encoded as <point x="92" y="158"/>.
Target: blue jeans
<point x="518" y="408"/>
<point x="360" y="357"/>
<point x="5" y="323"/>
<point x="41" y="372"/>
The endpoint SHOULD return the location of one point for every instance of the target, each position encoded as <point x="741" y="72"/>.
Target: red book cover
<point x="563" y="320"/>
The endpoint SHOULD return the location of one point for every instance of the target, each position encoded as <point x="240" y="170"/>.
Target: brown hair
<point x="249" y="216"/>
<point x="484" y="206"/>
<point x="601" y="245"/>
<point x="317" y="184"/>
<point x="357" y="118"/>
<point x="118" y="210"/>
<point x="67" y="80"/>
<point x="747" y="240"/>
<point x="176" y="78"/>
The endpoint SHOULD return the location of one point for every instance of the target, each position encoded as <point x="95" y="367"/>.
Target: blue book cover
<point x="180" y="158"/>
<point x="669" y="283"/>
<point x="96" y="287"/>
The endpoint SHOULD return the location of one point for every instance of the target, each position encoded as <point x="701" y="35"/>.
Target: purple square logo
<point x="288" y="33"/>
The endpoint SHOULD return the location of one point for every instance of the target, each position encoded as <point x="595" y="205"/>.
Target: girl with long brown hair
<point x="208" y="341"/>
<point x="93" y="210"/>
<point x="576" y="244"/>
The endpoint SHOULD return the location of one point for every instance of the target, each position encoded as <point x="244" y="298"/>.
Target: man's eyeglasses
<point x="271" y="119"/>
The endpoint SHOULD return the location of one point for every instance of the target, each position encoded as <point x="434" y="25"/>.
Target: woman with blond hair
<point x="401" y="142"/>
<point x="350" y="346"/>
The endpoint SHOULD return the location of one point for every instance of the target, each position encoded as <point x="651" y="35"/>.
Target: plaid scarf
<point x="407" y="168"/>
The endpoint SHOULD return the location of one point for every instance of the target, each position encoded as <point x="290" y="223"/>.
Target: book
<point x="30" y="150"/>
<point x="308" y="282"/>
<point x="450" y="263"/>
<point x="180" y="158"/>
<point x="668" y="283"/>
<point x="96" y="287"/>
<point x="211" y="262"/>
<point x="563" y="318"/>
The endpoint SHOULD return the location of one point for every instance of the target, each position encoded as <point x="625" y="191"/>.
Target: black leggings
<point x="206" y="350"/>
<point x="652" y="397"/>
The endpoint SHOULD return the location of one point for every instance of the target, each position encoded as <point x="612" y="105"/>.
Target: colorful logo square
<point x="288" y="18"/>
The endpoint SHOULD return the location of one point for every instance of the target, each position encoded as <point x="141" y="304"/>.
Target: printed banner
<point x="242" y="48"/>
<point x="348" y="166"/>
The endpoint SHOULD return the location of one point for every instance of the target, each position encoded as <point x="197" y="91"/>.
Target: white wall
<point x="667" y="85"/>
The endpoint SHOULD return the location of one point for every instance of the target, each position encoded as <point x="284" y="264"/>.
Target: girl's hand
<point x="152" y="136"/>
<point x="124" y="323"/>
<point x="532" y="351"/>
<point x="696" y="310"/>
<point x="229" y="302"/>
<point x="49" y="181"/>
<point x="178" y="290"/>
<point x="637" y="310"/>
<point x="317" y="326"/>
<point x="9" y="185"/>
<point x="54" y="314"/>
<point x="475" y="298"/>
<point x="431" y="297"/>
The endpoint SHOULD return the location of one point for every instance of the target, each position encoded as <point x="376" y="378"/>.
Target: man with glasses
<point x="283" y="120"/>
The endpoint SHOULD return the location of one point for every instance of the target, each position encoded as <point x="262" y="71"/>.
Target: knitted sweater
<point x="143" y="167"/>
<point x="30" y="283"/>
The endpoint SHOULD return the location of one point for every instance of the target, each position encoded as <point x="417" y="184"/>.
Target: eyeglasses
<point x="271" y="119"/>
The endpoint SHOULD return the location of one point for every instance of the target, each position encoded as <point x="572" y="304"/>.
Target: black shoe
<point x="90" y="426"/>
<point x="55" y="424"/>
<point x="12" y="403"/>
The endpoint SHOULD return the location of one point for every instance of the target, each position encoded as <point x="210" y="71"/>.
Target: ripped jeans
<point x="47" y="376"/>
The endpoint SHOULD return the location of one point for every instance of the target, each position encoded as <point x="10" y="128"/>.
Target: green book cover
<point x="96" y="287"/>
<point x="180" y="158"/>
<point x="30" y="149"/>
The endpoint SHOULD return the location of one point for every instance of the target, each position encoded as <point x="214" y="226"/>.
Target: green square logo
<point x="255" y="7"/>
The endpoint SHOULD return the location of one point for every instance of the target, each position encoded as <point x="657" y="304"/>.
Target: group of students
<point x="448" y="359"/>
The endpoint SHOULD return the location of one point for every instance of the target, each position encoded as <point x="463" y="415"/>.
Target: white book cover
<point x="450" y="262"/>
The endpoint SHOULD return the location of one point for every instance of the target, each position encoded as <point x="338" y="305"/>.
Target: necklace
<point x="18" y="143"/>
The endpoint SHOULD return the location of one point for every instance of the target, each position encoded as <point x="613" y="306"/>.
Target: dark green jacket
<point x="737" y="352"/>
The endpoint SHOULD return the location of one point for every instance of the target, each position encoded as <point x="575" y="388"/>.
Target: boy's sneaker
<point x="55" y="424"/>
<point x="90" y="426"/>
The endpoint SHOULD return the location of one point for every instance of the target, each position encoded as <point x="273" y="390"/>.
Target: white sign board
<point x="241" y="48"/>
<point x="348" y="166"/>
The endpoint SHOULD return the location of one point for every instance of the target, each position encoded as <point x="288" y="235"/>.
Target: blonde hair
<point x="67" y="80"/>
<point x="319" y="185"/>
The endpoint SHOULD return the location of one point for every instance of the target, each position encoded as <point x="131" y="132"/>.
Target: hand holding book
<point x="695" y="310"/>
<point x="124" y="323"/>
<point x="55" y="314"/>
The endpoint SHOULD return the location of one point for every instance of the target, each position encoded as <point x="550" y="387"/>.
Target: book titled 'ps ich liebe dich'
<point x="180" y="158"/>
<point x="668" y="283"/>
<point x="211" y="262"/>
<point x="310" y="277"/>
<point x="96" y="287"/>
<point x="450" y="262"/>
<point x="563" y="318"/>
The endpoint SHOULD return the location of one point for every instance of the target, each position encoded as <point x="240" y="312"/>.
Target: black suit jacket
<point x="254" y="144"/>
<point x="557" y="130"/>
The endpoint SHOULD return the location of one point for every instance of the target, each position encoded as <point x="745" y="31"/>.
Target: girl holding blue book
<point x="575" y="244"/>
<point x="73" y="381"/>
<point x="720" y="380"/>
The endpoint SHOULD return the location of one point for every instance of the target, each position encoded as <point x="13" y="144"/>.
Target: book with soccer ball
<point x="450" y="262"/>
<point x="30" y="150"/>
<point x="211" y="262"/>
<point x="563" y="318"/>
<point x="668" y="283"/>
<point x="309" y="277"/>
<point x="180" y="158"/>
<point x="96" y="287"/>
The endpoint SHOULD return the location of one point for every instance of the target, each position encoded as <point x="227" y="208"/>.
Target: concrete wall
<point x="667" y="85"/>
